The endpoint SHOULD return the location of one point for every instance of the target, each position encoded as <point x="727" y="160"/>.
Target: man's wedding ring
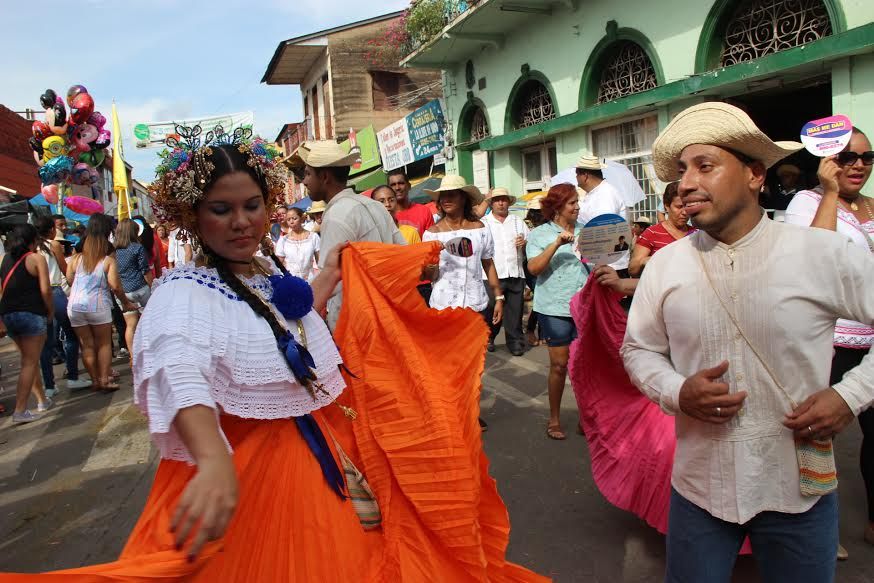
<point x="719" y="411"/>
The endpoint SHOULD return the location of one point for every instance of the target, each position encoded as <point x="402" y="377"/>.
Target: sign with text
<point x="827" y="136"/>
<point x="417" y="136"/>
<point x="154" y="134"/>
<point x="394" y="145"/>
<point x="604" y="240"/>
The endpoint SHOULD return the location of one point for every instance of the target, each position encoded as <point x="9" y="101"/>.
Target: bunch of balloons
<point x="69" y="149"/>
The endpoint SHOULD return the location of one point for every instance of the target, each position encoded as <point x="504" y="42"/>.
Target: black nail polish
<point x="178" y="546"/>
<point x="190" y="558"/>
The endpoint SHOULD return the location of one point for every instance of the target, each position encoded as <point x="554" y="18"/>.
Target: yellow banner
<point x="119" y="172"/>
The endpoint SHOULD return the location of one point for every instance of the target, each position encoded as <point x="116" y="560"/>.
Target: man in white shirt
<point x="731" y="330"/>
<point x="601" y="198"/>
<point x="510" y="234"/>
<point x="178" y="253"/>
<point x="348" y="216"/>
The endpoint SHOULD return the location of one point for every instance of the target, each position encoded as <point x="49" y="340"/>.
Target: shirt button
<point x="739" y="377"/>
<point x="734" y="297"/>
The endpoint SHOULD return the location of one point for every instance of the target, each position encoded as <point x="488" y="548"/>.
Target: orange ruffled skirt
<point x="416" y="390"/>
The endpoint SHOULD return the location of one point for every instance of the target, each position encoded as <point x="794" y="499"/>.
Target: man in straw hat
<point x="509" y="234"/>
<point x="727" y="334"/>
<point x="348" y="216"/>
<point x="314" y="213"/>
<point x="601" y="198"/>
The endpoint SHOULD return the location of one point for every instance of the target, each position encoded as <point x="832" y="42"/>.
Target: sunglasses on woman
<point x="850" y="158"/>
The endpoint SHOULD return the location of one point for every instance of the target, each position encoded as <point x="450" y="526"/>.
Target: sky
<point x="163" y="59"/>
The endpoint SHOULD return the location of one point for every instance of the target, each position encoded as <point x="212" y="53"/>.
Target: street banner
<point x="394" y="145"/>
<point x="154" y="134"/>
<point x="365" y="141"/>
<point x="827" y="136"/>
<point x="119" y="171"/>
<point x="415" y="137"/>
<point x="604" y="240"/>
<point x="426" y="130"/>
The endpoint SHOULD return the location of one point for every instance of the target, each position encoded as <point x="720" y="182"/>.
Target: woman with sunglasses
<point x="838" y="204"/>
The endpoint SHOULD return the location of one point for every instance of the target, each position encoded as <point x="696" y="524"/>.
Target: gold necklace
<point x="853" y="206"/>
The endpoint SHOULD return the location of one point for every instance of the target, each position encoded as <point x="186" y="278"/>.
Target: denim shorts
<point x="557" y="330"/>
<point x="140" y="297"/>
<point x="20" y="324"/>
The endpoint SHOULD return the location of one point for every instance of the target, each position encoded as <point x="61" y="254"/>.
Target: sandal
<point x="2" y="409"/>
<point x="109" y="387"/>
<point x="553" y="431"/>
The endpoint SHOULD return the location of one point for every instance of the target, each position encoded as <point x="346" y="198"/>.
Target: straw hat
<point x="643" y="219"/>
<point x="534" y="203"/>
<point x="318" y="206"/>
<point x="716" y="124"/>
<point x="325" y="154"/>
<point x="500" y="191"/>
<point x="589" y="163"/>
<point x="453" y="182"/>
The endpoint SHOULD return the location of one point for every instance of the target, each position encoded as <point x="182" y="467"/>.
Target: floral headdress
<point x="185" y="170"/>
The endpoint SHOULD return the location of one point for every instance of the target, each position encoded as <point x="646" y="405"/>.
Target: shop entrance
<point x="780" y="113"/>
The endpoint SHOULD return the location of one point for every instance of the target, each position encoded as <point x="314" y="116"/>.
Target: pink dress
<point x="631" y="440"/>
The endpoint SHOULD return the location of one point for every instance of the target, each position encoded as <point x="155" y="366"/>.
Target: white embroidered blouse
<point x="460" y="283"/>
<point x="801" y="211"/>
<point x="199" y="344"/>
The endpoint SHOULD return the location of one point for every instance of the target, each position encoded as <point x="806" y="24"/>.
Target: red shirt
<point x="657" y="237"/>
<point x="417" y="216"/>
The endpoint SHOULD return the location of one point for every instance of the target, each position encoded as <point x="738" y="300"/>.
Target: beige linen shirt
<point x="353" y="217"/>
<point x="786" y="285"/>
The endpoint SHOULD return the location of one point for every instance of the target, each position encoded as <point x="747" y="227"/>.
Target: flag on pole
<point x="119" y="172"/>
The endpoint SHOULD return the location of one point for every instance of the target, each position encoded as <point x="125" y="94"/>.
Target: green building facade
<point x="530" y="85"/>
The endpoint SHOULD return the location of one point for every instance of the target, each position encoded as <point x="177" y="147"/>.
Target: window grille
<point x="479" y="126"/>
<point x="630" y="143"/>
<point x="533" y="105"/>
<point x="762" y="27"/>
<point x="629" y="72"/>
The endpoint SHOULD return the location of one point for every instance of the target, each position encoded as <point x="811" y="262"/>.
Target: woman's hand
<point x="564" y="238"/>
<point x="828" y="173"/>
<point x="520" y="241"/>
<point x="498" y="312"/>
<point x="207" y="504"/>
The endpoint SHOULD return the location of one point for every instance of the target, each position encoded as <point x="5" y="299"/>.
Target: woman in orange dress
<point x="241" y="383"/>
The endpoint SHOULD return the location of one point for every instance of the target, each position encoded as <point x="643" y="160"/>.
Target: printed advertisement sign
<point x="426" y="130"/>
<point x="827" y="136"/>
<point x="154" y="134"/>
<point x="394" y="145"/>
<point x="604" y="240"/>
<point x="417" y="136"/>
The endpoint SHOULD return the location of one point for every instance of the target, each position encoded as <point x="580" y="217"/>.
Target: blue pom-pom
<point x="292" y="296"/>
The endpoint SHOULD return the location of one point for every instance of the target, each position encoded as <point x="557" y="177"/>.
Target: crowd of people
<point x="734" y="350"/>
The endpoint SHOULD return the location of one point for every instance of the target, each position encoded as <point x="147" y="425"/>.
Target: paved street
<point x="72" y="484"/>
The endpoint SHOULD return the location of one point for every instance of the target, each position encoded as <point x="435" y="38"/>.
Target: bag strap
<point x="740" y="330"/>
<point x="11" y="271"/>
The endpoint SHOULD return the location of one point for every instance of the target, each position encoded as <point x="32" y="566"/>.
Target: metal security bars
<point x="630" y="71"/>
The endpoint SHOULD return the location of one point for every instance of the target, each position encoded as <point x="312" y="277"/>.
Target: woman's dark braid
<point x="278" y="263"/>
<point x="247" y="295"/>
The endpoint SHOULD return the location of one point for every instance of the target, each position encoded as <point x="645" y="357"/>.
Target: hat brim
<point x="472" y="192"/>
<point x="512" y="198"/>
<point x="315" y="160"/>
<point x="718" y="125"/>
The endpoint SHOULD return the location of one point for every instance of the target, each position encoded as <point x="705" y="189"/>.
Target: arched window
<point x="533" y="105"/>
<point x="762" y="27"/>
<point x="479" y="126"/>
<point x="626" y="72"/>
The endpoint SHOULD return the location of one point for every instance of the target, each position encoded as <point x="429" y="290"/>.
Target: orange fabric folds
<point x="416" y="389"/>
<point x="417" y="438"/>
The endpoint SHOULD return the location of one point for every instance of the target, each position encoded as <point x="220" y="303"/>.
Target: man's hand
<point x="705" y="399"/>
<point x="821" y="416"/>
<point x="520" y="241"/>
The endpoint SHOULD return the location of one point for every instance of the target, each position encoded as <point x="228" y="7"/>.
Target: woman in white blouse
<point x="298" y="248"/>
<point x="839" y="205"/>
<point x="458" y="280"/>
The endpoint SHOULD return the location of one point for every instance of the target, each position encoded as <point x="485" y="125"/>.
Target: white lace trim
<point x="199" y="344"/>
